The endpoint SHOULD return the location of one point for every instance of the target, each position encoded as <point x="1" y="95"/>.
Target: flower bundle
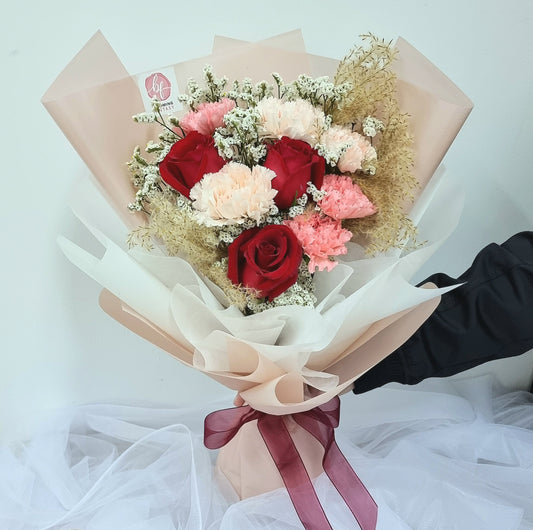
<point x="260" y="185"/>
<point x="264" y="211"/>
<point x="260" y="272"/>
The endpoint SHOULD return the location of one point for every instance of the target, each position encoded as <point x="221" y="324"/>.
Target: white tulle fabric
<point x="441" y="455"/>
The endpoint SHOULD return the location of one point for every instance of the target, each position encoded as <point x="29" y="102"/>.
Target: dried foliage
<point x="183" y="236"/>
<point x="367" y="69"/>
<point x="373" y="94"/>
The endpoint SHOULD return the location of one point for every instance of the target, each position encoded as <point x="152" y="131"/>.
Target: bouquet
<point x="269" y="230"/>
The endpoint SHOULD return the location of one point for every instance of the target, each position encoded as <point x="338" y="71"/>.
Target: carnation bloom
<point x="234" y="194"/>
<point x="344" y="199"/>
<point x="359" y="148"/>
<point x="298" y="120"/>
<point x="320" y="237"/>
<point x="207" y="117"/>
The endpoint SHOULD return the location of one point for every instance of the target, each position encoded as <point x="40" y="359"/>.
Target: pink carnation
<point x="320" y="237"/>
<point x="207" y="117"/>
<point x="344" y="199"/>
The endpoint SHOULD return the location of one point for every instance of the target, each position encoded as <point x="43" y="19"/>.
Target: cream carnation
<point x="297" y="119"/>
<point x="234" y="194"/>
<point x="357" y="148"/>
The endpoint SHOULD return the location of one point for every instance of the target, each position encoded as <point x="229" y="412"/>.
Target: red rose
<point x="266" y="259"/>
<point x="295" y="163"/>
<point x="189" y="160"/>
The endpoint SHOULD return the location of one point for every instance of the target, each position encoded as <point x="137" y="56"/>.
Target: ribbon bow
<point x="222" y="425"/>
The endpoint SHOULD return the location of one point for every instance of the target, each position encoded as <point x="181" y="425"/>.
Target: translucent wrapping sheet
<point x="436" y="456"/>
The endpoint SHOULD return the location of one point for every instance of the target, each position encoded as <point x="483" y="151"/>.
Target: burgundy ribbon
<point x="222" y="425"/>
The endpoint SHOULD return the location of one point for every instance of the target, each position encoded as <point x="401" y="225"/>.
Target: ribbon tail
<point x="350" y="487"/>
<point x="293" y="472"/>
<point x="320" y="423"/>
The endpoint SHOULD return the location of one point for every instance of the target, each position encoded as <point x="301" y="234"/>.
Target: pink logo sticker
<point x="158" y="86"/>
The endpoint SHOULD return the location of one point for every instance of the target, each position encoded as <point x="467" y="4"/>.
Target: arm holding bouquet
<point x="488" y="317"/>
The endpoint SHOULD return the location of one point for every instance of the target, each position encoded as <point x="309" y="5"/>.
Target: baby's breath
<point x="144" y="117"/>
<point x="295" y="211"/>
<point x="239" y="140"/>
<point x="320" y="91"/>
<point x="332" y="155"/>
<point x="317" y="194"/>
<point x="301" y="293"/>
<point x="371" y="126"/>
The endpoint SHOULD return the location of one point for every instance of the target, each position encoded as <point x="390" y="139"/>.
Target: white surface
<point x="58" y="347"/>
<point x="105" y="467"/>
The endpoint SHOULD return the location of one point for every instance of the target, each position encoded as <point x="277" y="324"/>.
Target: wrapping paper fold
<point x="284" y="360"/>
<point x="281" y="361"/>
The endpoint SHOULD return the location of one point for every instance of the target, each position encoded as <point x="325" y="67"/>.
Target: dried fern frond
<point x="367" y="69"/>
<point x="183" y="236"/>
<point x="390" y="188"/>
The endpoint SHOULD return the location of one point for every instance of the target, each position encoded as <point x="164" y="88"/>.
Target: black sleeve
<point x="490" y="317"/>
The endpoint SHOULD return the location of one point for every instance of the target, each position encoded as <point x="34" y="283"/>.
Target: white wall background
<point x="58" y="348"/>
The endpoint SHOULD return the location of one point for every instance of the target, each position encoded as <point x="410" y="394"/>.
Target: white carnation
<point x="233" y="195"/>
<point x="297" y="119"/>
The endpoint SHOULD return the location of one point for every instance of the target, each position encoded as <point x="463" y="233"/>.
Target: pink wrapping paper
<point x="96" y="79"/>
<point x="83" y="102"/>
<point x="247" y="450"/>
<point x="437" y="106"/>
<point x="374" y="345"/>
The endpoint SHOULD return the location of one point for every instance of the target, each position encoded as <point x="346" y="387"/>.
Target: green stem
<point x="163" y="124"/>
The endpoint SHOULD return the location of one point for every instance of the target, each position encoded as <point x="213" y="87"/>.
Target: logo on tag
<point x="160" y="85"/>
